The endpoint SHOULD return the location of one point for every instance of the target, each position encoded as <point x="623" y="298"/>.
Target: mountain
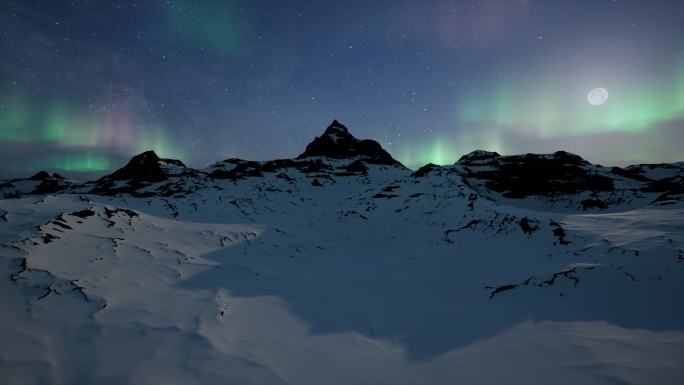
<point x="343" y="266"/>
<point x="42" y="183"/>
<point x="338" y="143"/>
<point x="556" y="182"/>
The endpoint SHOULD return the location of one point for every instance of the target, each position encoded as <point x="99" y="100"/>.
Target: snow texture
<point x="345" y="268"/>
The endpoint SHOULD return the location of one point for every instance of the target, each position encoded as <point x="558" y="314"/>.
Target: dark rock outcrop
<point x="558" y="181"/>
<point x="520" y="176"/>
<point x="144" y="168"/>
<point x="51" y="183"/>
<point x="425" y="170"/>
<point x="477" y="157"/>
<point x="338" y="143"/>
<point x="141" y="171"/>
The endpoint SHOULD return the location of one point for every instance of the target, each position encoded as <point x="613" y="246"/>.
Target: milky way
<point x="85" y="86"/>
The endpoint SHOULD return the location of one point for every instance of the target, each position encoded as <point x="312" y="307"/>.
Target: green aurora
<point x="216" y="25"/>
<point x="81" y="138"/>
<point x="502" y="110"/>
<point x="88" y="85"/>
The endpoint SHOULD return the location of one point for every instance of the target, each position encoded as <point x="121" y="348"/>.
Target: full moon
<point x="597" y="96"/>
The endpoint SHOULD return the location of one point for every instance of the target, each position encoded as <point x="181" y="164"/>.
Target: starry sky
<point x="85" y="85"/>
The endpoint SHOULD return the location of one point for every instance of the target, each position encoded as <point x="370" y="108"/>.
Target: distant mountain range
<point x="558" y="181"/>
<point x="342" y="266"/>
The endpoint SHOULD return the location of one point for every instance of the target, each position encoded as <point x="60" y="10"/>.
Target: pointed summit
<point x="142" y="170"/>
<point x="145" y="167"/>
<point x="44" y="175"/>
<point x="338" y="143"/>
<point x="336" y="128"/>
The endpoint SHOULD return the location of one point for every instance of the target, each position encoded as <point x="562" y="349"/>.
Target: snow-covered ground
<point x="117" y="290"/>
<point x="306" y="276"/>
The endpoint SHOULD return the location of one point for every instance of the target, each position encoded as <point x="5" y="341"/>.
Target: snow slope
<point x="342" y="266"/>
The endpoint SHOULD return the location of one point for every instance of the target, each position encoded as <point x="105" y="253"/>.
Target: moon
<point x="597" y="96"/>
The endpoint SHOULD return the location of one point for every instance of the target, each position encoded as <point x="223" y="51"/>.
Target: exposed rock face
<point x="44" y="175"/>
<point x="477" y="157"/>
<point x="144" y="168"/>
<point x="425" y="170"/>
<point x="566" y="179"/>
<point x="559" y="181"/>
<point x="50" y="183"/>
<point x="141" y="171"/>
<point x="42" y="183"/>
<point x="338" y="143"/>
<point x="520" y="176"/>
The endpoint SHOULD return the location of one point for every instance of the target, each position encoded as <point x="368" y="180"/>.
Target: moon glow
<point x="597" y="96"/>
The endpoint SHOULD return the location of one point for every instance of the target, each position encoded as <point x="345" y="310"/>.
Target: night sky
<point x="85" y="85"/>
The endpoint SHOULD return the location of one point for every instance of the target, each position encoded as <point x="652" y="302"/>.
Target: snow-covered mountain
<point x="343" y="266"/>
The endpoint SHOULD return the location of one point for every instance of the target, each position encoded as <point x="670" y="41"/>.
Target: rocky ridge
<point x="558" y="181"/>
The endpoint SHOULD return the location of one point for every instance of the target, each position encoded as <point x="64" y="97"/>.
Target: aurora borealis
<point x="87" y="85"/>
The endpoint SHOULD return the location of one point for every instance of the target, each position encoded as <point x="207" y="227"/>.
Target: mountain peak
<point x="142" y="170"/>
<point x="477" y="156"/>
<point x="336" y="129"/>
<point x="44" y="175"/>
<point x="338" y="143"/>
<point x="142" y="167"/>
